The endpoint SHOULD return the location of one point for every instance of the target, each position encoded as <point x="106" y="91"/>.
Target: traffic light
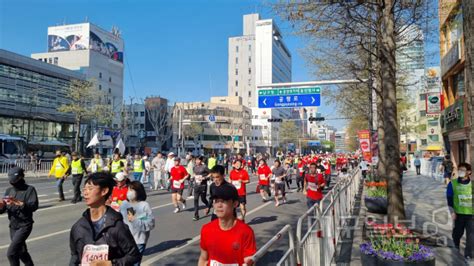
<point x="313" y="119"/>
<point x="279" y="120"/>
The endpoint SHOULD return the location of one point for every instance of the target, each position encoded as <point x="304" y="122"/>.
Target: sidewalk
<point x="425" y="208"/>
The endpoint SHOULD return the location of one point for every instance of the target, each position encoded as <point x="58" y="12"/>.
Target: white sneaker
<point x="162" y="187"/>
<point x="184" y="205"/>
<point x="176" y="210"/>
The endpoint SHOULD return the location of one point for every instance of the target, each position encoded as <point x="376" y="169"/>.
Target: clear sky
<point x="176" y="49"/>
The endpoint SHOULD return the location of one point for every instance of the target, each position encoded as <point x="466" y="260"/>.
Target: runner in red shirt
<point x="119" y="193"/>
<point x="178" y="175"/>
<point x="226" y="240"/>
<point x="313" y="186"/>
<point x="300" y="176"/>
<point x="264" y="173"/>
<point x="239" y="178"/>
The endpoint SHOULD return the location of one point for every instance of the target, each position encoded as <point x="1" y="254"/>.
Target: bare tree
<point x="159" y="118"/>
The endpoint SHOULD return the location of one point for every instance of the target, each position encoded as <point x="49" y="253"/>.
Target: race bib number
<point x="312" y="186"/>
<point x="94" y="252"/>
<point x="216" y="263"/>
<point x="198" y="179"/>
<point x="465" y="200"/>
<point x="176" y="184"/>
<point x="301" y="170"/>
<point x="236" y="184"/>
<point x="262" y="177"/>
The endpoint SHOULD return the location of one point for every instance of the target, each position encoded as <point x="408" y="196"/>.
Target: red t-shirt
<point x="313" y="181"/>
<point x="177" y="173"/>
<point x="264" y="172"/>
<point x="119" y="194"/>
<point x="235" y="176"/>
<point x="226" y="247"/>
<point x="301" y="168"/>
<point x="328" y="168"/>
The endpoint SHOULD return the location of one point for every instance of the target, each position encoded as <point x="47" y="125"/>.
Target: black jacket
<point x="21" y="216"/>
<point x="115" y="233"/>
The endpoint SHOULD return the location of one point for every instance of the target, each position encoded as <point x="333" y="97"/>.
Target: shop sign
<point x="453" y="117"/>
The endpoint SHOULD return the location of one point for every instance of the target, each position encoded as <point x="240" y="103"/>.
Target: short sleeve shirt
<point x="236" y="178"/>
<point x="228" y="247"/>
<point x="178" y="173"/>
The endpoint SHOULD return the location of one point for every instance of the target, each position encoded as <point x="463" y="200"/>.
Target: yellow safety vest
<point x="138" y="166"/>
<point x="96" y="167"/>
<point x="76" y="167"/>
<point x="116" y="167"/>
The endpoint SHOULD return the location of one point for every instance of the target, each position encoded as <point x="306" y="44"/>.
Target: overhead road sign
<point x="289" y="101"/>
<point x="289" y="91"/>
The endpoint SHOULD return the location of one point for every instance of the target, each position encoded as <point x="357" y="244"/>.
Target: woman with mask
<point x="138" y="215"/>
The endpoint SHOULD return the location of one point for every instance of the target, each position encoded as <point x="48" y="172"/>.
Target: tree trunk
<point x="78" y="131"/>
<point x="382" y="164"/>
<point x="396" y="209"/>
<point x="468" y="24"/>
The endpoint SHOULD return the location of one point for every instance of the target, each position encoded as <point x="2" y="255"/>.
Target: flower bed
<point x="394" y="245"/>
<point x="376" y="197"/>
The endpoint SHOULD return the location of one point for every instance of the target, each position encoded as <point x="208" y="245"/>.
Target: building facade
<point x="92" y="51"/>
<point x="31" y="92"/>
<point x="259" y="57"/>
<point x="455" y="119"/>
<point x="228" y="131"/>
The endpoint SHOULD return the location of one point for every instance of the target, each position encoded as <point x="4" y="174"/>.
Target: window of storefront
<point x="458" y="84"/>
<point x="462" y="146"/>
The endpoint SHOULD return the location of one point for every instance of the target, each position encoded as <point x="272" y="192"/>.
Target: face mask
<point x="131" y="195"/>
<point x="462" y="173"/>
<point x="18" y="184"/>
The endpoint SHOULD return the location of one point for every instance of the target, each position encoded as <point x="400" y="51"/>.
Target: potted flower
<point x="394" y="246"/>
<point x="376" y="197"/>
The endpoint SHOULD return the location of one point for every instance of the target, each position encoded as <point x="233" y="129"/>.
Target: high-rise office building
<point x="92" y="51"/>
<point x="259" y="57"/>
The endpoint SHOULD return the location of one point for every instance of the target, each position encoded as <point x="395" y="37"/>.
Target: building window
<point x="115" y="125"/>
<point x="142" y="126"/>
<point x="236" y="60"/>
<point x="250" y="82"/>
<point x="250" y="93"/>
<point x="237" y="49"/>
<point x="100" y="87"/>
<point x="250" y="71"/>
<point x="250" y="59"/>
<point x="135" y="114"/>
<point x="236" y="83"/>
<point x="100" y="75"/>
<point x="236" y="71"/>
<point x="50" y="60"/>
<point x="423" y="113"/>
<point x="109" y="102"/>
<point x="110" y="90"/>
<point x="250" y="47"/>
<point x="110" y="79"/>
<point x="422" y="97"/>
<point x="142" y="114"/>
<point x="56" y="60"/>
<point x="236" y="94"/>
<point x="424" y="142"/>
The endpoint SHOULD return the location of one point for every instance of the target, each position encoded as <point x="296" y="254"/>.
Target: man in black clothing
<point x="217" y="173"/>
<point x="201" y="176"/>
<point x="20" y="201"/>
<point x="77" y="168"/>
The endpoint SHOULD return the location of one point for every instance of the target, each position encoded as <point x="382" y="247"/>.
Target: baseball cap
<point x="119" y="176"/>
<point x="171" y="154"/>
<point x="15" y="174"/>
<point x="225" y="191"/>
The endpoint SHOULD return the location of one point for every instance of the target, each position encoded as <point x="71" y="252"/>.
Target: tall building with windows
<point x="259" y="57"/>
<point x="31" y="92"/>
<point x="92" y="51"/>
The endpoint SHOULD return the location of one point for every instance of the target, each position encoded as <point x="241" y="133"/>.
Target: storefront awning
<point x="433" y="148"/>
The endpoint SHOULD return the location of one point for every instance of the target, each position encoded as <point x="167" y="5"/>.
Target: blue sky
<point x="175" y="49"/>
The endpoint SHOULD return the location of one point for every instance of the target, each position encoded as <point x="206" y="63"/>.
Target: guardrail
<point x="288" y="258"/>
<point x="431" y="168"/>
<point x="320" y="228"/>
<point x="41" y="166"/>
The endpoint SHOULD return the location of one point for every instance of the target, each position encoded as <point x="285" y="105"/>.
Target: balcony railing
<point x="451" y="57"/>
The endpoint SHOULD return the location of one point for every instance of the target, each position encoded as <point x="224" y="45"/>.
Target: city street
<point x="174" y="241"/>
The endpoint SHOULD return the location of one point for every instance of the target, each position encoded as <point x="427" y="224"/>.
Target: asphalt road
<point x="175" y="239"/>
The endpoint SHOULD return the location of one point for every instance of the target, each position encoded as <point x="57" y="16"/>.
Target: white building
<point x="259" y="57"/>
<point x="92" y="51"/>
<point x="340" y="141"/>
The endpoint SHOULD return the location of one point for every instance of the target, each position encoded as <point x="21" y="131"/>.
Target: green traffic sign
<point x="289" y="91"/>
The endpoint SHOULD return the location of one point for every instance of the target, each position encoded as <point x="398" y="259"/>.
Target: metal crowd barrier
<point x="41" y="166"/>
<point x="431" y="168"/>
<point x="289" y="257"/>
<point x="320" y="228"/>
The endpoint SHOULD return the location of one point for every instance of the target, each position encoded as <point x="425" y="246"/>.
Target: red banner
<point x="364" y="141"/>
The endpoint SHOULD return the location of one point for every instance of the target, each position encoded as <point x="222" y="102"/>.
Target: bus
<point x="47" y="149"/>
<point x="11" y="148"/>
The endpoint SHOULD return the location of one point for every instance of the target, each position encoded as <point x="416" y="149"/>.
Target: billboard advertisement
<point x="68" y="38"/>
<point x="433" y="103"/>
<point x="85" y="36"/>
<point x="364" y="141"/>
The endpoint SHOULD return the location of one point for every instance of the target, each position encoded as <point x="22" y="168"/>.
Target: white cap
<point x="171" y="154"/>
<point x="145" y="157"/>
<point x="120" y="176"/>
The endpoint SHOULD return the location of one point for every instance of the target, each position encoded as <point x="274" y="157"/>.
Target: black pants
<point x="200" y="192"/>
<point x="76" y="182"/>
<point x="288" y="181"/>
<point x="59" y="183"/>
<point x="300" y="182"/>
<point x="190" y="188"/>
<point x="17" y="250"/>
<point x="418" y="169"/>
<point x="328" y="179"/>
<point x="464" y="222"/>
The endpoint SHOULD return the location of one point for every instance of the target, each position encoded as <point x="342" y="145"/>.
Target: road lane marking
<point x="40" y="237"/>
<point x="192" y="241"/>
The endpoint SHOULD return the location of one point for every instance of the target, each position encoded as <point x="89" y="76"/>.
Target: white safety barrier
<point x="320" y="228"/>
<point x="40" y="166"/>
<point x="431" y="167"/>
<point x="316" y="243"/>
<point x="289" y="257"/>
